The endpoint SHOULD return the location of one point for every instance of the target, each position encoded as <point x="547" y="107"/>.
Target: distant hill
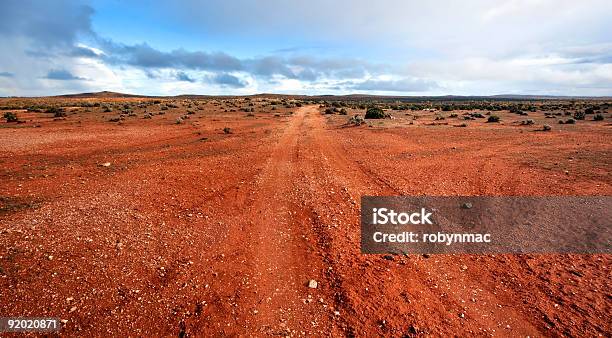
<point x="357" y="97"/>
<point x="103" y="94"/>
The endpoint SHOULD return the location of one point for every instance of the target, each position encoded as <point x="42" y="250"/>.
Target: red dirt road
<point x="193" y="231"/>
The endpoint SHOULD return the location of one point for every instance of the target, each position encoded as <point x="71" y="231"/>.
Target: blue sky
<point x="484" y="47"/>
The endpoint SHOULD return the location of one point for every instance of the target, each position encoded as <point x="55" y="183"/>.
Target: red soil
<point x="191" y="230"/>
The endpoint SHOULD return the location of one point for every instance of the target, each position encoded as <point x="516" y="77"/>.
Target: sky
<point x="383" y="47"/>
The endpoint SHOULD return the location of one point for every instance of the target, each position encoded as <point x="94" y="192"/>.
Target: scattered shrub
<point x="343" y="111"/>
<point x="57" y="112"/>
<point x="356" y="120"/>
<point x="598" y="117"/>
<point x="227" y="130"/>
<point x="376" y="113"/>
<point x="570" y="121"/>
<point x="179" y="120"/>
<point x="11" y="117"/>
<point x="579" y="115"/>
<point x="546" y="127"/>
<point x="527" y="122"/>
<point x="493" y="119"/>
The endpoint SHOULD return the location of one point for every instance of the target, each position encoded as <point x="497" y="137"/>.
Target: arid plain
<point x="210" y="215"/>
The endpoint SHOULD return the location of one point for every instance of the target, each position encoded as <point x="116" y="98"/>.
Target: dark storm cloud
<point x="301" y="68"/>
<point x="403" y="85"/>
<point x="182" y="76"/>
<point x="48" y="24"/>
<point x="145" y="56"/>
<point x="227" y="80"/>
<point x="61" y="74"/>
<point x="54" y="28"/>
<point x="7" y="74"/>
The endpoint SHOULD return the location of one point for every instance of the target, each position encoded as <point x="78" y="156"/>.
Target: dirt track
<point x="221" y="235"/>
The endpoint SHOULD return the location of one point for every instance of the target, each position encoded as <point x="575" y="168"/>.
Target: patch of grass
<point x="57" y="112"/>
<point x="11" y="117"/>
<point x="493" y="119"/>
<point x="527" y="122"/>
<point x="477" y="115"/>
<point x="15" y="204"/>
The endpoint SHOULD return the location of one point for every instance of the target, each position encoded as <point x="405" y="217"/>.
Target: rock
<point x="413" y="329"/>
<point x="388" y="257"/>
<point x="72" y="309"/>
<point x="462" y="315"/>
<point x="313" y="284"/>
<point x="105" y="164"/>
<point x="466" y="205"/>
